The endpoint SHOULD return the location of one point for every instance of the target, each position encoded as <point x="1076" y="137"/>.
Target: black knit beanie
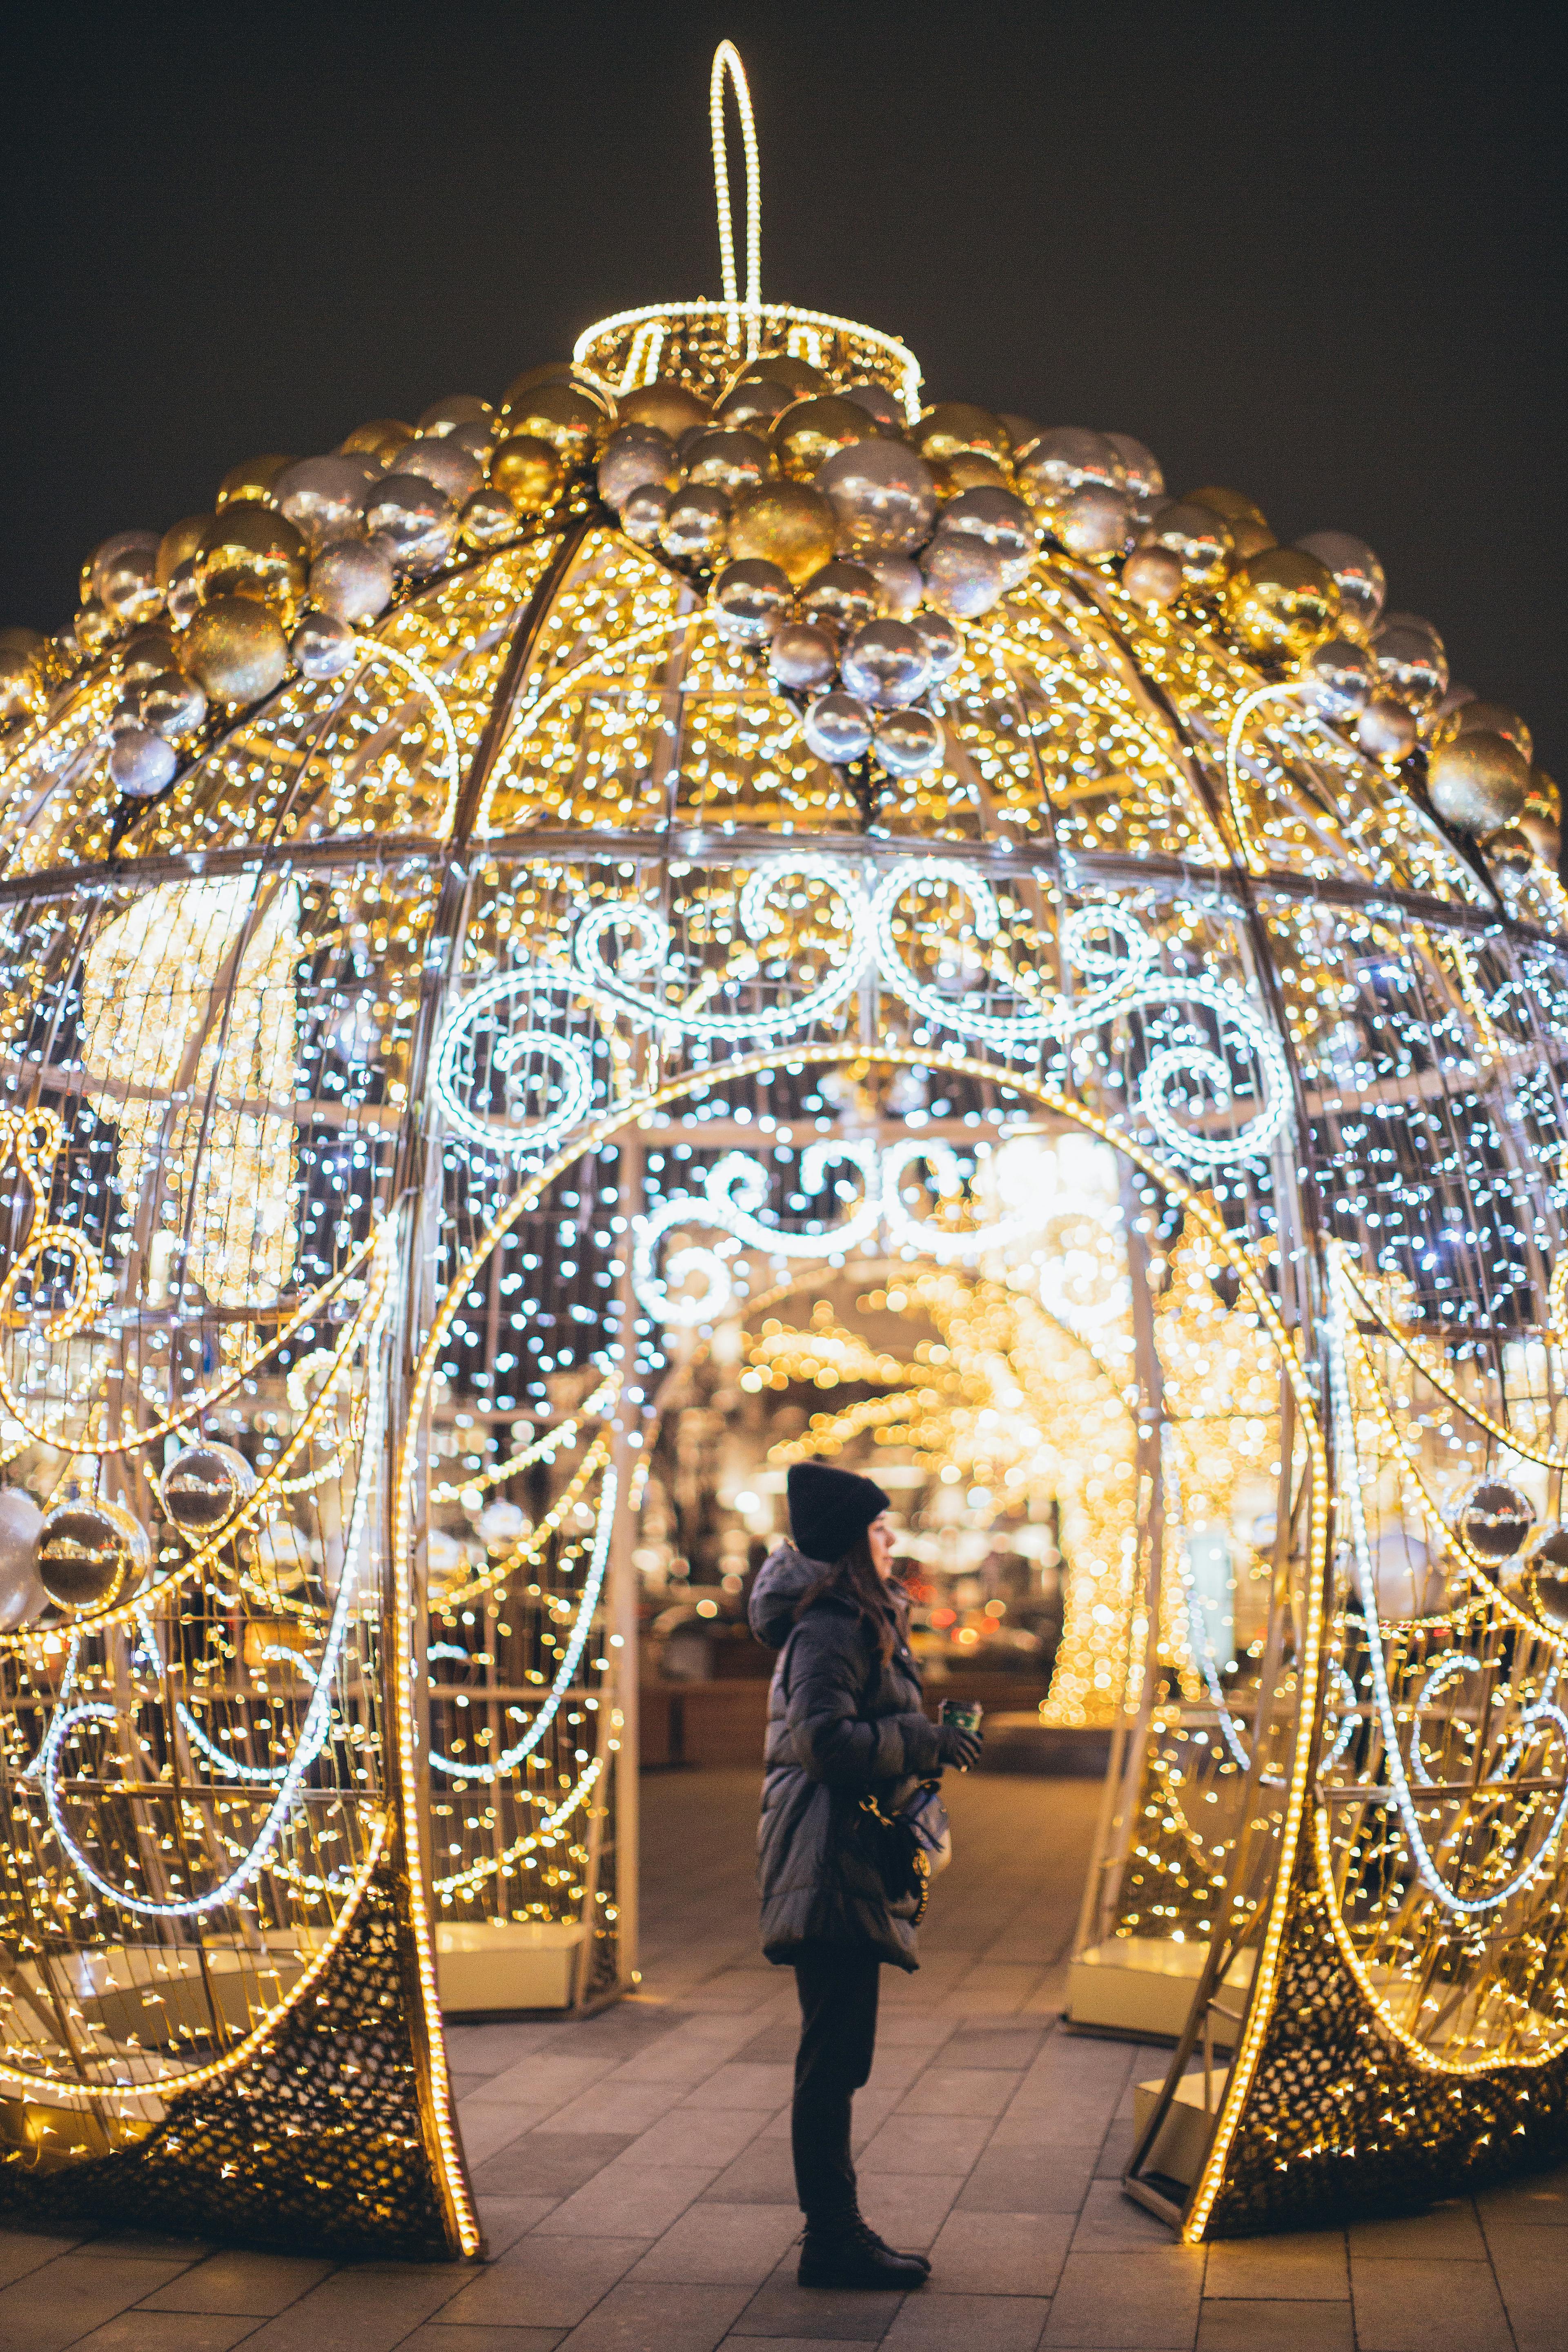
<point x="828" y="1508"/>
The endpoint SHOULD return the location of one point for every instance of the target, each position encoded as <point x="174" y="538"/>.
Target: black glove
<point x="955" y="1745"/>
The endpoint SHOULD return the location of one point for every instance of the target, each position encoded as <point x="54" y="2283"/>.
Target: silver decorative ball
<point x="884" y="496"/>
<point x="1197" y="536"/>
<point x="1338" y="678"/>
<point x="944" y="642"/>
<point x="730" y="462"/>
<point x="642" y="513"/>
<point x="1093" y="522"/>
<point x="963" y="575"/>
<point x="353" y="580"/>
<point x="907" y="743"/>
<point x="1546" y="1578"/>
<point x="148" y="651"/>
<point x="322" y="646"/>
<point x="183" y="596"/>
<point x="488" y="520"/>
<point x="751" y="599"/>
<point x="122" y="574"/>
<point x="91" y="1554"/>
<point x="999" y="520"/>
<point x="1494" y="1518"/>
<point x="900" y="585"/>
<point x="1478" y="781"/>
<point x="141" y="763"/>
<point x="801" y="656"/>
<point x="444" y="462"/>
<point x="324" y="497"/>
<point x="459" y="408"/>
<point x="634" y="456"/>
<point x="696" y="525"/>
<point x="877" y="401"/>
<point x="1387" y="730"/>
<point x="173" y="704"/>
<point x="1142" y="467"/>
<point x="838" y="728"/>
<point x="841" y="595"/>
<point x="204" y="1487"/>
<point x="887" y="662"/>
<point x="1356" y="570"/>
<point x="22" y="1597"/>
<point x="418" y="520"/>
<point x="1065" y="460"/>
<point x="1410" y="660"/>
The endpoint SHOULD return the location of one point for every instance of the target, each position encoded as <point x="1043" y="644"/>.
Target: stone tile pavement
<point x="632" y="2170"/>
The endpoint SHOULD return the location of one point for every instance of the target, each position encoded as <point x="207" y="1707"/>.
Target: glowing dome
<point x="482" y="908"/>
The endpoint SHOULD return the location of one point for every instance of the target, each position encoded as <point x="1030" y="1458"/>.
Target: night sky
<point x="1310" y="253"/>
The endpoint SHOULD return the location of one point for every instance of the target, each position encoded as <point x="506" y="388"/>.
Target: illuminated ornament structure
<point x="446" y="889"/>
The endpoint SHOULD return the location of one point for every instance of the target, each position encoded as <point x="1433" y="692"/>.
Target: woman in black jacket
<point x="844" y="1723"/>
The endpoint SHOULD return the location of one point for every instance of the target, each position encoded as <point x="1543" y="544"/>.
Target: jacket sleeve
<point x="826" y="1678"/>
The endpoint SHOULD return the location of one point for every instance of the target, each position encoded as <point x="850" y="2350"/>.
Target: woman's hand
<point x="956" y="1746"/>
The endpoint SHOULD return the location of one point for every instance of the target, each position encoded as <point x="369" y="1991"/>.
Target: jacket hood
<point x="781" y="1579"/>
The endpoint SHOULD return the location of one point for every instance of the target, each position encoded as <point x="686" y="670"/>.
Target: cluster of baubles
<point x="1529" y="1564"/>
<point x="845" y="545"/>
<point x="86" y="1554"/>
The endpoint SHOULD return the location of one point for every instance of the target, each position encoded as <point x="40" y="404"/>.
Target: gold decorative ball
<point x="1541" y="819"/>
<point x="970" y="469"/>
<point x="382" y="439"/>
<point x="1489" y="718"/>
<point x="754" y="403"/>
<point x="562" y="417"/>
<point x="251" y="550"/>
<point x="235" y="650"/>
<point x="1248" y="539"/>
<point x="1229" y="504"/>
<point x="1197" y="536"/>
<point x="1478" y="782"/>
<point x="529" y="472"/>
<point x="956" y="425"/>
<point x="178" y="544"/>
<point x="534" y="379"/>
<point x="91" y="1554"/>
<point x="21" y="687"/>
<point x="250" y="483"/>
<point x="488" y="520"/>
<point x="784" y="523"/>
<point x="813" y="430"/>
<point x="668" y="407"/>
<point x="1546" y="1578"/>
<point x="779" y="367"/>
<point x="1282" y="602"/>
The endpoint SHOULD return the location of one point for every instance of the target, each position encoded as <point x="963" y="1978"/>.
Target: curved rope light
<point x="727" y="62"/>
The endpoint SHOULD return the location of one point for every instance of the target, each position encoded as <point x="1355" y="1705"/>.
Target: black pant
<point x="838" y="1986"/>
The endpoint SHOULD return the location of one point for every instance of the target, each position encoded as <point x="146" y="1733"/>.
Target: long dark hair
<point x="853" y="1579"/>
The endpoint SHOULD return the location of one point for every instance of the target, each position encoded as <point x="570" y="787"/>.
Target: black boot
<point x="846" y="2253"/>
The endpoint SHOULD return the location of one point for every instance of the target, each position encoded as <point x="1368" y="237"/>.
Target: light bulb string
<point x="727" y="62"/>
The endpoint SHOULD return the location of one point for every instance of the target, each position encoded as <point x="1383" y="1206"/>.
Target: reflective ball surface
<point x="1358" y="575"/>
<point x="1386" y="729"/>
<point x="324" y="497"/>
<point x="1197" y="536"/>
<point x="419" y="522"/>
<point x="91" y="1554"/>
<point x="755" y="403"/>
<point x="1338" y="679"/>
<point x="1154" y="575"/>
<point x="458" y="408"/>
<point x="323" y="647"/>
<point x="883" y="495"/>
<point x="838" y="728"/>
<point x="633" y="457"/>
<point x="1142" y="467"/>
<point x="381" y="439"/>
<point x="643" y="512"/>
<point x="1474" y="717"/>
<point x="529" y="473"/>
<point x="669" y="407"/>
<point x="183" y="596"/>
<point x="353" y="578"/>
<point x="1478" y="782"/>
<point x="1231" y="506"/>
<point x="1494" y="1518"/>
<point x="173" y="703"/>
<point x="999" y="519"/>
<point x="446" y="462"/>
<point x="813" y="430"/>
<point x="901" y="584"/>
<point x="22" y="1596"/>
<point x="1546" y="1578"/>
<point x="178" y="544"/>
<point x="141" y="763"/>
<point x="1067" y="459"/>
<point x="877" y="401"/>
<point x="250" y="551"/>
<point x="696" y="525"/>
<point x="728" y="461"/>
<point x="963" y="575"/>
<point x="204" y="1487"/>
<point x="124" y="577"/>
<point x="571" y="424"/>
<point x="1093" y="522"/>
<point x="786" y="523"/>
<point x="251" y="482"/>
<point x="21" y="687"/>
<point x="781" y="367"/>
<point x="944" y="642"/>
<point x="488" y="520"/>
<point x="886" y="662"/>
<point x="1281" y="602"/>
<point x="235" y="650"/>
<point x="955" y="424"/>
<point x="1410" y="660"/>
<point x="907" y="743"/>
<point x="801" y="657"/>
<point x="841" y="595"/>
<point x="750" y="598"/>
<point x="147" y="651"/>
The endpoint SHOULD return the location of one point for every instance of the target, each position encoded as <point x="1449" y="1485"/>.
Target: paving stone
<point x="1427" y="2306"/>
<point x="1310" y="2264"/>
<point x="540" y="2082"/>
<point x="1000" y="2253"/>
<point x="1028" y="2180"/>
<point x="1106" y="2302"/>
<point x="991" y="2049"/>
<point x="238" y="2282"/>
<point x="1532" y="2271"/>
<point x="907" y="2208"/>
<point x="53" y="2304"/>
<point x="929" y="2322"/>
<point x="958" y="2091"/>
<point x="505" y="2219"/>
<point x="1539" y="2202"/>
<point x="722" y="2245"/>
<point x="364" y="2307"/>
<point x="491" y="2049"/>
<point x="543" y="2283"/>
<point x="814" y="2315"/>
<point x="22" y="2251"/>
<point x="710" y="2137"/>
<point x="616" y="2107"/>
<point x="641" y="2316"/>
<point x="1293" y="2326"/>
<point x="548" y="2164"/>
<point x="636" y="2201"/>
<point x="1111" y="2223"/>
<point x="167" y="2331"/>
<point x="744" y="2085"/>
<point x="927" y="2144"/>
<point x="436" y="2336"/>
<point x="1448" y="2233"/>
<point x="763" y="2174"/>
<point x="145" y="2246"/>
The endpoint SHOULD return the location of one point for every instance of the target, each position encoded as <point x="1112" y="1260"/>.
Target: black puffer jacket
<point x="841" y="1727"/>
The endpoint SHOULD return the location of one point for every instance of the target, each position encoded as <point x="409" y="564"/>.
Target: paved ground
<point x="633" y="2171"/>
